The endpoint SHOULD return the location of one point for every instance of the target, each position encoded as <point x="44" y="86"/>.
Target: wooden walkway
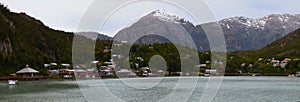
<point x="24" y="77"/>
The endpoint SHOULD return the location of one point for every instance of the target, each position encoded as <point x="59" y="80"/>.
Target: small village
<point x="109" y="70"/>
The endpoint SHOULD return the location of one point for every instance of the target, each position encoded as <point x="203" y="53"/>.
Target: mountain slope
<point x="288" y="46"/>
<point x="155" y="23"/>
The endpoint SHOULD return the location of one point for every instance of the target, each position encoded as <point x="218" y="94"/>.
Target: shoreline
<point x="58" y="78"/>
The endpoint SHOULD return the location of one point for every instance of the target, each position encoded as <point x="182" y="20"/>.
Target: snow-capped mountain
<point x="285" y="21"/>
<point x="253" y="34"/>
<point x="241" y="33"/>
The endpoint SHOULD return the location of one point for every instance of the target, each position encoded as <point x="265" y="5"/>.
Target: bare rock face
<point x="6" y="47"/>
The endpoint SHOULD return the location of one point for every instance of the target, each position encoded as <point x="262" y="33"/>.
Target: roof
<point x="201" y="65"/>
<point x="27" y="70"/>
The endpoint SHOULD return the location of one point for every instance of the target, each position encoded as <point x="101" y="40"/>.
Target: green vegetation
<point x="288" y="46"/>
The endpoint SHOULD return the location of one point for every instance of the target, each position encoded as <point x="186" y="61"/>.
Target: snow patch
<point x="162" y="15"/>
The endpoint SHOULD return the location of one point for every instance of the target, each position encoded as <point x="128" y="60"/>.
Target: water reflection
<point x="11" y="87"/>
<point x="233" y="89"/>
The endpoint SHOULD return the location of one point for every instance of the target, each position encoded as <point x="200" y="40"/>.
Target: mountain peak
<point x="163" y="16"/>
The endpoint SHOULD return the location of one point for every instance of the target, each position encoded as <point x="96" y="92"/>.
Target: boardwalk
<point x="25" y="77"/>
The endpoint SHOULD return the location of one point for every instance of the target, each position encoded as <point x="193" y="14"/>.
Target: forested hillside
<point x="25" y="40"/>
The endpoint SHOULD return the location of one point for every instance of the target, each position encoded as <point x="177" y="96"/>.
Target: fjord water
<point x="233" y="89"/>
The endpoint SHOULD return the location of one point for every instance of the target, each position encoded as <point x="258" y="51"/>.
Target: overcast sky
<point x="66" y="14"/>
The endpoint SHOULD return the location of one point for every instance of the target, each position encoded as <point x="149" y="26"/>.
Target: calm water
<point x="232" y="89"/>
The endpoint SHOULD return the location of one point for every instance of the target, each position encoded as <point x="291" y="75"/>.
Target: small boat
<point x="12" y="82"/>
<point x="206" y="75"/>
<point x="67" y="76"/>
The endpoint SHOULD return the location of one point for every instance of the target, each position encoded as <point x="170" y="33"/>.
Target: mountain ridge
<point x="241" y="33"/>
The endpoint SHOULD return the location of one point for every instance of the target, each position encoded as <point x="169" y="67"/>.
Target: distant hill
<point x="94" y="35"/>
<point x="25" y="40"/>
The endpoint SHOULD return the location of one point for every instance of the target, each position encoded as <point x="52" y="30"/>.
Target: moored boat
<point x="12" y="82"/>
